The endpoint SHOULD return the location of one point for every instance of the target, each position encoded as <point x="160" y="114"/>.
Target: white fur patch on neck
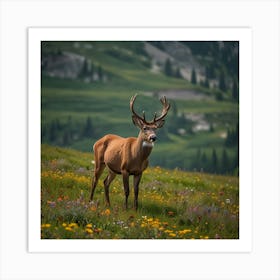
<point x="147" y="144"/>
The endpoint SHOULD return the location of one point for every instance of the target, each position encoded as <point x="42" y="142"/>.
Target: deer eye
<point x="145" y="128"/>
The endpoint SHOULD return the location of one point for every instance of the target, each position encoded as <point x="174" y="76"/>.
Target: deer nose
<point x="153" y="138"/>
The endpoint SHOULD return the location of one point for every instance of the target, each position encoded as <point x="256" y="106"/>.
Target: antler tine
<point x="155" y="117"/>
<point x="143" y="114"/>
<point x="132" y="100"/>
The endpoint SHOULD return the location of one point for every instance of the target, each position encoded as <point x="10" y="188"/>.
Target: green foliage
<point x="172" y="203"/>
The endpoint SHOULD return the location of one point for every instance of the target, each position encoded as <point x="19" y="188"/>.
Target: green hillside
<point x="86" y="88"/>
<point x="172" y="203"/>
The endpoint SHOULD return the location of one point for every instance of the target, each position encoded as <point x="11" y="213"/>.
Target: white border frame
<point x="243" y="35"/>
<point x="262" y="16"/>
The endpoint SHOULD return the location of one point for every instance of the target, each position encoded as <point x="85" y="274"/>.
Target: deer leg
<point x="126" y="186"/>
<point x="110" y="177"/>
<point x="136" y="182"/>
<point x="97" y="173"/>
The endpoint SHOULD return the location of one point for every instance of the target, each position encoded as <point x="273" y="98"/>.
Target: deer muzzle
<point x="152" y="138"/>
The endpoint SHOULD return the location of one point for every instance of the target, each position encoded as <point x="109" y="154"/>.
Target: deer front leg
<point x="136" y="182"/>
<point x="126" y="186"/>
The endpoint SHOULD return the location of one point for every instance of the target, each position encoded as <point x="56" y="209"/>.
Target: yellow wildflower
<point x="68" y="229"/>
<point x="73" y="225"/>
<point x="46" y="225"/>
<point x="184" y="231"/>
<point x="88" y="230"/>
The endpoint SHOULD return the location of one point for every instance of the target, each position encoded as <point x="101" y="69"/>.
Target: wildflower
<point x="89" y="226"/>
<point x="184" y="231"/>
<point x="64" y="224"/>
<point x="68" y="229"/>
<point x="107" y="212"/>
<point x="45" y="225"/>
<point x="172" y="234"/>
<point x="88" y="230"/>
<point x="73" y="225"/>
<point x="227" y="201"/>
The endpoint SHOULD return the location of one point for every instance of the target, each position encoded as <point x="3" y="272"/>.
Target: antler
<point x="164" y="112"/>
<point x="166" y="107"/>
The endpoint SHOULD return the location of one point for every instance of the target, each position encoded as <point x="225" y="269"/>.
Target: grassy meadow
<point x="172" y="204"/>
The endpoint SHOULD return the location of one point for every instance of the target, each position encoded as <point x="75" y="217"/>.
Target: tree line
<point x="66" y="133"/>
<point x="214" y="163"/>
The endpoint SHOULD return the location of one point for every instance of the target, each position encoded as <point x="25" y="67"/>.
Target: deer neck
<point x="144" y="148"/>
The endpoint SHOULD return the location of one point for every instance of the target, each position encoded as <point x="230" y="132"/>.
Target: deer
<point x="127" y="156"/>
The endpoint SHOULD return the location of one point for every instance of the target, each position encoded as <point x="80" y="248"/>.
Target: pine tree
<point x="53" y="131"/>
<point x="211" y="129"/>
<point x="66" y="138"/>
<point x="193" y="77"/>
<point x="214" y="167"/>
<point x="168" y="68"/>
<point x="225" y="162"/>
<point x="206" y="83"/>
<point x="197" y="161"/>
<point x="88" y="129"/>
<point x="178" y="73"/>
<point x="222" y="82"/>
<point x="235" y="91"/>
<point x="204" y="163"/>
<point x="84" y="69"/>
<point x="100" y="73"/>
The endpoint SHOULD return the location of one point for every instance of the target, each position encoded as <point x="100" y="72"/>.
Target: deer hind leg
<point x="97" y="173"/>
<point x="110" y="177"/>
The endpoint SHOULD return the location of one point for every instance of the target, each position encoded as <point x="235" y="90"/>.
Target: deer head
<point x="148" y="127"/>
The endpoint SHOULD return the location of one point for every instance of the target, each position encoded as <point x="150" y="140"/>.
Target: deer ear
<point x="160" y="123"/>
<point x="137" y="122"/>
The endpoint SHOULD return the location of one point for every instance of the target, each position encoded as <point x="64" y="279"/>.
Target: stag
<point x="127" y="156"/>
